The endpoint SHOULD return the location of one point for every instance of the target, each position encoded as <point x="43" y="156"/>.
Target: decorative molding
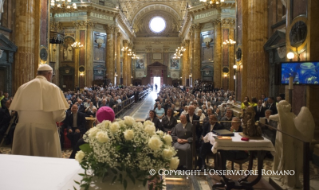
<point x="55" y="26"/>
<point x="80" y="24"/>
<point x="228" y="22"/>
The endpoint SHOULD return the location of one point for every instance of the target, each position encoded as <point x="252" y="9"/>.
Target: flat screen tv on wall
<point x="304" y="73"/>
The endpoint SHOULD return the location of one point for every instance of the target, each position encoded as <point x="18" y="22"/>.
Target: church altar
<point x="38" y="173"/>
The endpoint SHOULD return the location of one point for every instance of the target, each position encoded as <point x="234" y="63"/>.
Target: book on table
<point x="223" y="132"/>
<point x="227" y="138"/>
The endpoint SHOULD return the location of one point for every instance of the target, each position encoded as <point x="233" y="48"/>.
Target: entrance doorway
<point x="157" y="82"/>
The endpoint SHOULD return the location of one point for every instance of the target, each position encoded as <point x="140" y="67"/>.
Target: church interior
<point x="243" y="48"/>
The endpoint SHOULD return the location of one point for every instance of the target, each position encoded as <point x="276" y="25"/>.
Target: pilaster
<point x="196" y="50"/>
<point x="110" y="53"/>
<point x="217" y="54"/>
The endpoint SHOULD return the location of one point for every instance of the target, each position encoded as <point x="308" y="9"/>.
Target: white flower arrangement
<point x="126" y="146"/>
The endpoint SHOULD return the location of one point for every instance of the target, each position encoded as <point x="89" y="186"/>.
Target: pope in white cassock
<point x="40" y="104"/>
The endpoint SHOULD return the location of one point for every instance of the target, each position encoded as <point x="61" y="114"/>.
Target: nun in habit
<point x="40" y="104"/>
<point x="182" y="139"/>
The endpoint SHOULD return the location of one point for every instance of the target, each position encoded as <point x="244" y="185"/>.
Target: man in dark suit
<point x="272" y="105"/>
<point x="81" y="107"/>
<point x="191" y="117"/>
<point x="168" y="121"/>
<point x="259" y="110"/>
<point x="206" y="147"/>
<point x="152" y="117"/>
<point x="75" y="124"/>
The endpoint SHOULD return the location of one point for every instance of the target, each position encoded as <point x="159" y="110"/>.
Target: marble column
<point x="257" y="64"/>
<point x="186" y="66"/>
<point x="191" y="52"/>
<point x="89" y="54"/>
<point x="217" y="54"/>
<point x="125" y="70"/>
<point x="196" y="50"/>
<point x="110" y="53"/>
<point x="231" y="58"/>
<point x="118" y="58"/>
<point x="24" y="68"/>
<point x="129" y="70"/>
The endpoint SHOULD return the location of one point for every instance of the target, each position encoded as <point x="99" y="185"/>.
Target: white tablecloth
<point x="38" y="173"/>
<point x="237" y="144"/>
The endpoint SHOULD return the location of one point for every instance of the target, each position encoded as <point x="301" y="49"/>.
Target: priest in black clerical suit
<point x="206" y="147"/>
<point x="259" y="110"/>
<point x="75" y="124"/>
<point x="168" y="121"/>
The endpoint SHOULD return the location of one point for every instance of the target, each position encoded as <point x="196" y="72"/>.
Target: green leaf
<point x="121" y="178"/>
<point x="86" y="148"/>
<point x="131" y="177"/>
<point x="114" y="171"/>
<point x="114" y="178"/>
<point x="77" y="182"/>
<point x="144" y="182"/>
<point x="125" y="184"/>
<point x="82" y="175"/>
<point x="74" y="188"/>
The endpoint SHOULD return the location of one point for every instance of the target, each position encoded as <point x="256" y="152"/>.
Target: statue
<point x="289" y="150"/>
<point x="249" y="128"/>
<point x="1" y="8"/>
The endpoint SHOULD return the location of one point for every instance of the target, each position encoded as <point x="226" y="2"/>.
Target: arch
<point x="155" y="7"/>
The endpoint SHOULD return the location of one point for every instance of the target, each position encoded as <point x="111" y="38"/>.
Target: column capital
<point x="80" y="24"/>
<point x="228" y="22"/>
<point x="56" y="26"/>
<point x="90" y="24"/>
<point x="197" y="27"/>
<point x="216" y="23"/>
<point x="109" y="29"/>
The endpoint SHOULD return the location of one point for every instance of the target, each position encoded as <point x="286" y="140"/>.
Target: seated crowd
<point x="208" y="111"/>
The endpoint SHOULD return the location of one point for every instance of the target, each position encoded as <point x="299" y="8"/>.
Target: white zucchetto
<point x="45" y="67"/>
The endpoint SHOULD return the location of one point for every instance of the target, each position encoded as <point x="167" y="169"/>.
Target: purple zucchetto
<point x="105" y="113"/>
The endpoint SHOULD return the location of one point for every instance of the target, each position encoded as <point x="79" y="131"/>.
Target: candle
<point x="291" y="82"/>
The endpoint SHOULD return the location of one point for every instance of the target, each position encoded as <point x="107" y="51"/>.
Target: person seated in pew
<point x="75" y="124"/>
<point x="201" y="115"/>
<point x="168" y="121"/>
<point x="206" y="147"/>
<point x="182" y="138"/>
<point x="227" y="118"/>
<point x="152" y="117"/>
<point x="160" y="112"/>
<point x="234" y="154"/>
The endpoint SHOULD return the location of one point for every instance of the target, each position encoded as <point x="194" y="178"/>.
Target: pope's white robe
<point x="40" y="104"/>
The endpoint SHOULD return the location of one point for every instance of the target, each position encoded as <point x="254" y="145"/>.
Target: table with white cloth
<point x="255" y="147"/>
<point x="38" y="173"/>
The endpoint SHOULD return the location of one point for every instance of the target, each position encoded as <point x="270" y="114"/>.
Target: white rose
<point x="155" y="143"/>
<point x="92" y="132"/>
<point x="174" y="163"/>
<point x="102" y="137"/>
<point x="114" y="127"/>
<point x="168" y="153"/>
<point x="79" y="156"/>
<point x="129" y="121"/>
<point x="106" y="124"/>
<point x="150" y="129"/>
<point x="148" y="122"/>
<point x="129" y="135"/>
<point x="168" y="139"/>
<point x="160" y="133"/>
<point x="140" y="125"/>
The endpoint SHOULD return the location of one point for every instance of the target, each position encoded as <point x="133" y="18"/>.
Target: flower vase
<point x="99" y="184"/>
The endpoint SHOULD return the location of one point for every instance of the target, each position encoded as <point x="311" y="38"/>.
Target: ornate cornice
<point x="203" y="7"/>
<point x="125" y="25"/>
<point x="56" y="26"/>
<point x="109" y="29"/>
<point x="90" y="24"/>
<point x="228" y="22"/>
<point x="80" y="24"/>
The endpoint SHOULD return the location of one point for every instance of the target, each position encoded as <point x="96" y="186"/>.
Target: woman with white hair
<point x="201" y="115"/>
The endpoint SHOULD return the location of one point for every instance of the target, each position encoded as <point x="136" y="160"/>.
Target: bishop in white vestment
<point x="40" y="104"/>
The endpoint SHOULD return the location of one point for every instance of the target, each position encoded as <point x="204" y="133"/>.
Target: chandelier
<point x="179" y="52"/>
<point x="230" y="42"/>
<point x="77" y="45"/>
<point x="211" y="2"/>
<point x="134" y="56"/>
<point x="63" y="5"/>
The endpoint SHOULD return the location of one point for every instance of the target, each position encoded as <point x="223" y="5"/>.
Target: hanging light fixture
<point x="63" y="5"/>
<point x="77" y="45"/>
<point x="229" y="42"/>
<point x="211" y="2"/>
<point x="179" y="52"/>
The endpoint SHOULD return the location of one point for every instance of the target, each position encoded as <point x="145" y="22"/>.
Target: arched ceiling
<point x="134" y="9"/>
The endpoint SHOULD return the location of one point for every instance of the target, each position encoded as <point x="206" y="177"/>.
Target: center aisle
<point x="143" y="110"/>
